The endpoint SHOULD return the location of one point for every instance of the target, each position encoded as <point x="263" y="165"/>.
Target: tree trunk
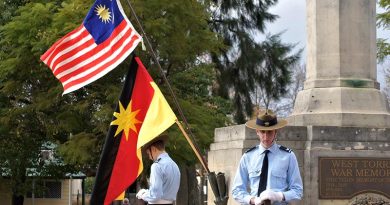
<point x="193" y="192"/>
<point x="182" y="195"/>
<point x="20" y="180"/>
<point x="17" y="200"/>
<point x="189" y="192"/>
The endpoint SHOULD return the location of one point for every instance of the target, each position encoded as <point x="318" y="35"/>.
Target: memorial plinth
<point x="337" y="164"/>
<point x="340" y="125"/>
<point x="346" y="160"/>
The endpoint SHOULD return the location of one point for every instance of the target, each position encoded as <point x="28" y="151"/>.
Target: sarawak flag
<point x="142" y="114"/>
<point x="103" y="41"/>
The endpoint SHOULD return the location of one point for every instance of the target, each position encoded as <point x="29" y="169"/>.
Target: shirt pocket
<point x="279" y="179"/>
<point x="254" y="177"/>
<point x="254" y="173"/>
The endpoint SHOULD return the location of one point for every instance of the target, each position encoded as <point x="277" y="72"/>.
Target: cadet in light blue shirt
<point x="282" y="181"/>
<point x="164" y="175"/>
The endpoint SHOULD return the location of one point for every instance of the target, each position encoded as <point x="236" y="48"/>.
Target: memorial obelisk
<point x="341" y="87"/>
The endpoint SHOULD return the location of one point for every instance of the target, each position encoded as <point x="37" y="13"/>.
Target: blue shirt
<point x="283" y="174"/>
<point x="164" y="180"/>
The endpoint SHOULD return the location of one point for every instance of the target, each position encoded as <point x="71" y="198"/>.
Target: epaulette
<point x="157" y="160"/>
<point x="285" y="149"/>
<point x="251" y="149"/>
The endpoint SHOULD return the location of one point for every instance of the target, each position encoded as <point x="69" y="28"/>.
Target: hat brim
<point x="164" y="138"/>
<point x="252" y="124"/>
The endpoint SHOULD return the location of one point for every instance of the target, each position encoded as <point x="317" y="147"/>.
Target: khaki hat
<point x="163" y="138"/>
<point x="266" y="120"/>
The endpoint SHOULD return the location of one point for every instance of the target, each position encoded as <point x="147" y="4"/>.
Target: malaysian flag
<point x="103" y="41"/>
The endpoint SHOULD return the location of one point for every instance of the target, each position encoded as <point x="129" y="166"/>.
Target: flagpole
<point x="148" y="44"/>
<point x="193" y="146"/>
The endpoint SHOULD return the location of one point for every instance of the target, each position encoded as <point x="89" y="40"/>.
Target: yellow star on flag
<point x="126" y="120"/>
<point x="103" y="13"/>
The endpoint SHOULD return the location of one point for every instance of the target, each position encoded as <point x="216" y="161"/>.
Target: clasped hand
<point x="269" y="195"/>
<point x="141" y="193"/>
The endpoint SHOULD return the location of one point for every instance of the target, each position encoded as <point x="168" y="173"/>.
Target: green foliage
<point x="203" y="120"/>
<point x="202" y="111"/>
<point x="81" y="151"/>
<point x="178" y="30"/>
<point x="194" y="83"/>
<point x="383" y="20"/>
<point x="8" y="8"/>
<point x="19" y="141"/>
<point x="33" y="111"/>
<point x="22" y="81"/>
<point x="383" y="49"/>
<point x="89" y="182"/>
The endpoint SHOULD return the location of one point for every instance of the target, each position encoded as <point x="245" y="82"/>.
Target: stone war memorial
<point x="340" y="125"/>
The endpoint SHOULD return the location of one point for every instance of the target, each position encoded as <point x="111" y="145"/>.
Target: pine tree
<point x="243" y="59"/>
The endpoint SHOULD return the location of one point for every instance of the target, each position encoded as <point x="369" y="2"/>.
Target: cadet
<point x="269" y="170"/>
<point x="164" y="174"/>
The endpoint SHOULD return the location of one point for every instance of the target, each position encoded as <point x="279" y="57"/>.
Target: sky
<point x="292" y="21"/>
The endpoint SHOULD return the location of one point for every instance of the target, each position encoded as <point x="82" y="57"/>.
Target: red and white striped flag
<point x="103" y="41"/>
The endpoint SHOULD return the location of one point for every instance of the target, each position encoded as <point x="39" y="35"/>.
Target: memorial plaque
<point x="344" y="177"/>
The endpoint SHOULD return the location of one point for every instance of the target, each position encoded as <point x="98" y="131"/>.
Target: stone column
<point x="341" y="88"/>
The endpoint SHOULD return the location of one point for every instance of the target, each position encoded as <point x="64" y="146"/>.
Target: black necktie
<point x="263" y="175"/>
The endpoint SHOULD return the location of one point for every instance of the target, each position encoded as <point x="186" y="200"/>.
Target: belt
<point x="282" y="203"/>
<point x="161" y="201"/>
<point x="161" y="204"/>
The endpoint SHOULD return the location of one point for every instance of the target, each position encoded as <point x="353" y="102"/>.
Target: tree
<point x="243" y="58"/>
<point x="203" y="112"/>
<point x="284" y="106"/>
<point x="33" y="111"/>
<point x="386" y="89"/>
<point x="383" y="20"/>
<point x="383" y="47"/>
<point x="27" y="90"/>
<point x="273" y="75"/>
<point x="9" y="7"/>
<point x="19" y="141"/>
